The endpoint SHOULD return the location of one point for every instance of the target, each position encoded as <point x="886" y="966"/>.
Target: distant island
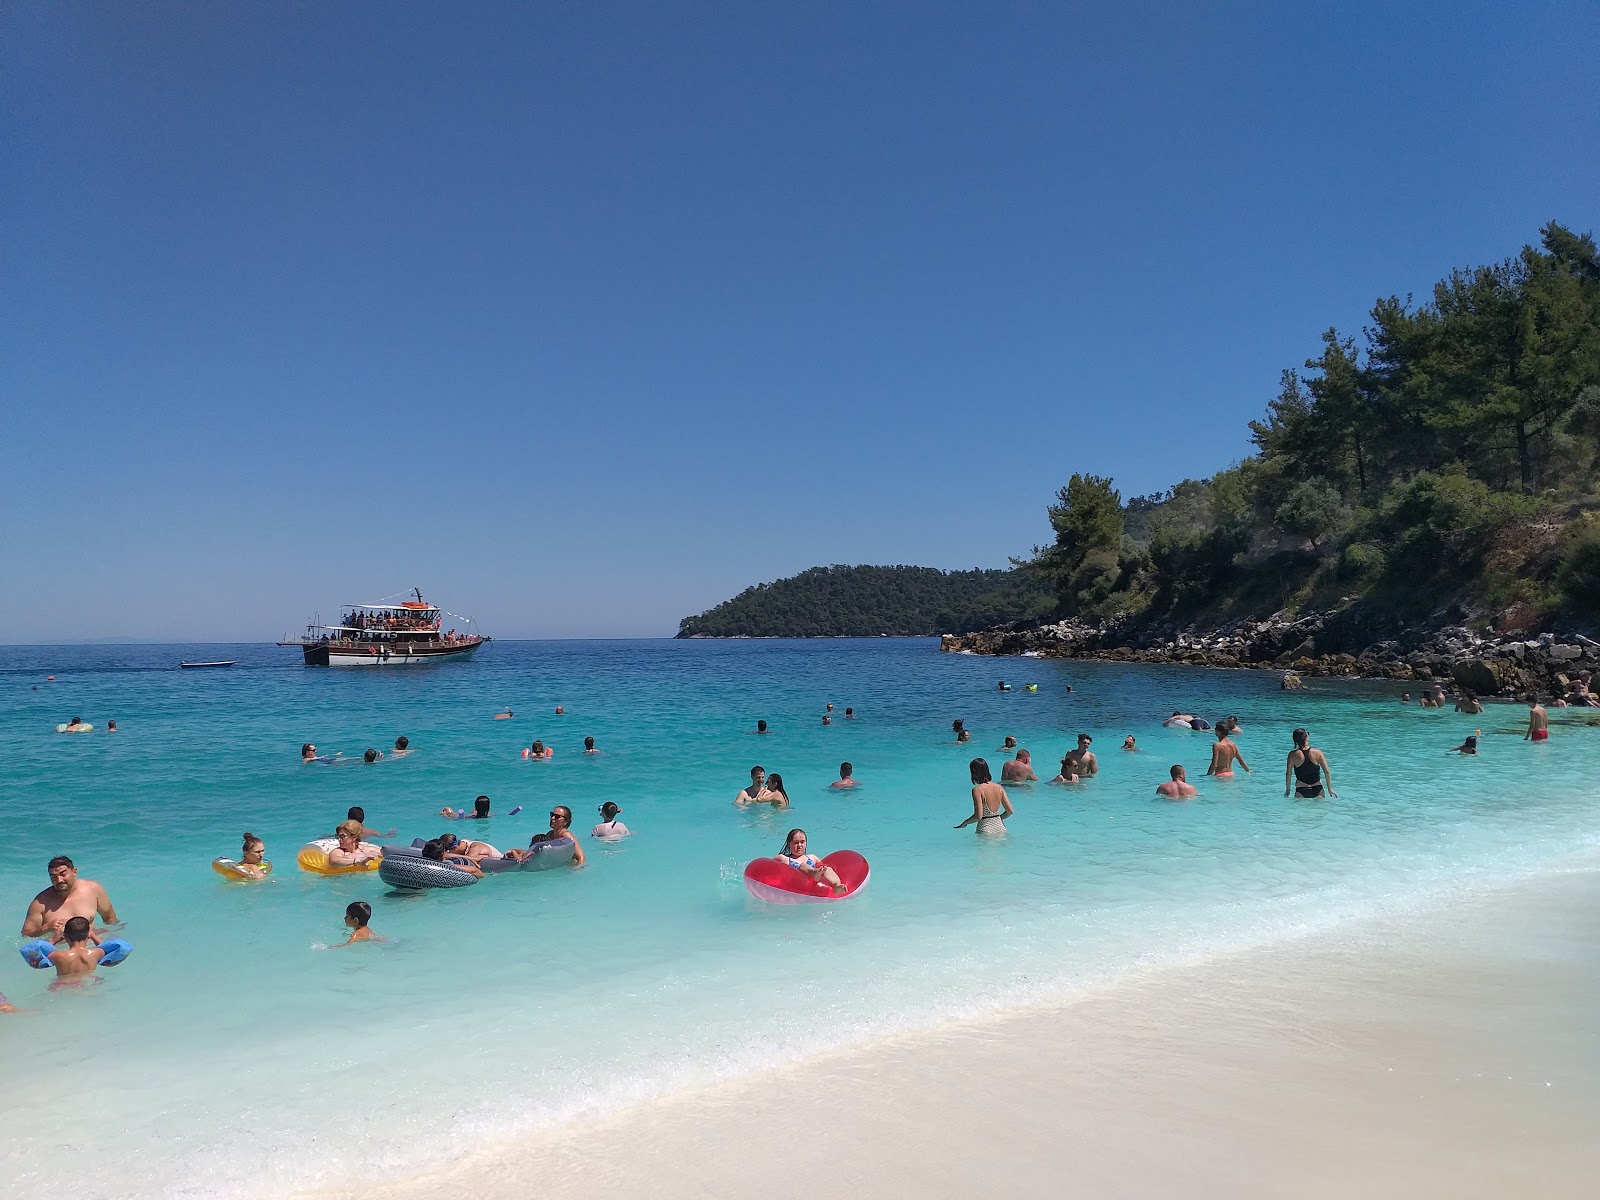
<point x="1422" y="504"/>
<point x="862" y="601"/>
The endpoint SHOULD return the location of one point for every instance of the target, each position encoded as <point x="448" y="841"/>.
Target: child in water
<point x="76" y="961"/>
<point x="356" y="917"/>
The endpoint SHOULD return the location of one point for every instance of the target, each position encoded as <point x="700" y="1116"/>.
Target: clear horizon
<point x="585" y="319"/>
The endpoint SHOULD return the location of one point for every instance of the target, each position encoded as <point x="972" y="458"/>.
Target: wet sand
<point x="1454" y="1053"/>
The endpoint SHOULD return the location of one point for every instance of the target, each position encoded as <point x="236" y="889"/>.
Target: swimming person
<point x="1224" y="753"/>
<point x="65" y="898"/>
<point x="1082" y="759"/>
<point x="609" y="829"/>
<point x="1008" y="745"/>
<point x="588" y="746"/>
<point x="1128" y="743"/>
<point x="435" y="850"/>
<point x="1180" y="720"/>
<point x="504" y="716"/>
<point x="474" y="852"/>
<point x="1538" y="722"/>
<point x="480" y="811"/>
<point x="795" y="855"/>
<point x="849" y="714"/>
<point x="356" y="916"/>
<point x="371" y="755"/>
<point x="111" y="726"/>
<point x="827" y="718"/>
<point x="959" y="728"/>
<point x="761" y="727"/>
<point x="77" y="725"/>
<point x="357" y="813"/>
<point x="1179" y="787"/>
<point x="773" y="792"/>
<point x="79" y="956"/>
<point x="1019" y="769"/>
<point x="402" y="745"/>
<point x="1004" y="686"/>
<point x="539" y="750"/>
<point x="560" y="831"/>
<point x="846" y="778"/>
<point x="351" y="850"/>
<point x="752" y="794"/>
<point x="990" y="804"/>
<point x="250" y="856"/>
<point x="308" y="753"/>
<point x="1470" y="746"/>
<point x="1309" y="768"/>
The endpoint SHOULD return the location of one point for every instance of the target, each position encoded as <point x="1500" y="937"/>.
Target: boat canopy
<point x="410" y="606"/>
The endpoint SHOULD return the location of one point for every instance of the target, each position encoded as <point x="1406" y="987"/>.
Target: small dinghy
<point x="226" y="663"/>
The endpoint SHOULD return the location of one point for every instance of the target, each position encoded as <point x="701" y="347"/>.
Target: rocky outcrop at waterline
<point x="1337" y="644"/>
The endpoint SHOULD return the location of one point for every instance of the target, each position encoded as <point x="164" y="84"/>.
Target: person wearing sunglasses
<point x="560" y="831"/>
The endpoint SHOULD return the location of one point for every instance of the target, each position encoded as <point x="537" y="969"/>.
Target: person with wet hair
<point x="990" y="804"/>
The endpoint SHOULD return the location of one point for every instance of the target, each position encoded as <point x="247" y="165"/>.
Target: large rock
<point x="1479" y="675"/>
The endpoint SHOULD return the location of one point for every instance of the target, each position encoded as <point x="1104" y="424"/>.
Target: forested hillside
<point x="867" y="601"/>
<point x="1442" y="465"/>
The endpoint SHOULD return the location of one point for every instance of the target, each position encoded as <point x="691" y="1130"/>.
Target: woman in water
<point x="794" y="854"/>
<point x="250" y="857"/>
<point x="1308" y="768"/>
<point x="560" y="831"/>
<point x="351" y="850"/>
<point x="989" y="801"/>
<point x="773" y="792"/>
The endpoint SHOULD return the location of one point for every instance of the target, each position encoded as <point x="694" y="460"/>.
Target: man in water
<point x="849" y="714"/>
<point x="359" y="814"/>
<point x="1224" y="754"/>
<point x="1467" y="703"/>
<point x="761" y="727"/>
<point x="1082" y="759"/>
<point x="79" y="956"/>
<point x="845" y="780"/>
<point x="371" y="755"/>
<point x="402" y="745"/>
<point x="747" y="796"/>
<point x="826" y="719"/>
<point x="1179" y="720"/>
<point x="1538" y="722"/>
<point x="1179" y="788"/>
<point x="1004" y="686"/>
<point x="588" y="746"/>
<point x="1019" y="769"/>
<point x="65" y="898"/>
<point x="1010" y="743"/>
<point x="503" y="716"/>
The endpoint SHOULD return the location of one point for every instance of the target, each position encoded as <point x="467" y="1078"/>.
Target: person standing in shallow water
<point x="1538" y="722"/>
<point x="1224" y="754"/>
<point x="1307" y="769"/>
<point x="990" y="804"/>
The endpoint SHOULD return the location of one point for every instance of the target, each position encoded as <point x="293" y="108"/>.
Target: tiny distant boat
<point x="407" y="634"/>
<point x="228" y="662"/>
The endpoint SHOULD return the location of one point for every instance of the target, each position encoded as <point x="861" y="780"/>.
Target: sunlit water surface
<point x="229" y="1056"/>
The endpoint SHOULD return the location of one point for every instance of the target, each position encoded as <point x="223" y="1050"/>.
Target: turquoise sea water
<point x="228" y="1057"/>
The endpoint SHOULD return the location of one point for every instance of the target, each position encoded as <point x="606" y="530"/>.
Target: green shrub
<point x="1578" y="574"/>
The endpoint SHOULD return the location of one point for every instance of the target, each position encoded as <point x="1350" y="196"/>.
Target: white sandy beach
<point x="1456" y="1054"/>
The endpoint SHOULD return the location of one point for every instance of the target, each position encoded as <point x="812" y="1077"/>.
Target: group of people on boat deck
<point x="361" y="620"/>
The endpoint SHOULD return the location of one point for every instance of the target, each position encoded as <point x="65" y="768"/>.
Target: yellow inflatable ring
<point x="313" y="857"/>
<point x="229" y="869"/>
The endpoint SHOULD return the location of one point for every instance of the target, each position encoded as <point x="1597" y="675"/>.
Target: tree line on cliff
<point x="1445" y="459"/>
<point x="864" y="601"/>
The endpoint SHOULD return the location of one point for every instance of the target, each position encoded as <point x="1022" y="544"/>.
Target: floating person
<point x="76" y="960"/>
<point x="752" y="794"/>
<point x="351" y="851"/>
<point x="1004" y="686"/>
<point x="559" y="710"/>
<point x="826" y="719"/>
<point x="435" y="850"/>
<point x="1009" y="744"/>
<point x="773" y="793"/>
<point x="480" y="811"/>
<point x="356" y="918"/>
<point x="76" y="725"/>
<point x="1470" y="746"/>
<point x="370" y="755"/>
<point x="1032" y="687"/>
<point x="1538" y="722"/>
<point x="1082" y="759"/>
<point x="505" y="715"/>
<point x="588" y="746"/>
<point x="609" y="828"/>
<point x="761" y="727"/>
<point x="359" y="814"/>
<point x="252" y="858"/>
<point x="1019" y="769"/>
<point x="560" y="830"/>
<point x="465" y="848"/>
<point x="402" y="745"/>
<point x="794" y="853"/>
<point x="1309" y="769"/>
<point x="990" y="804"/>
<point x="1224" y="753"/>
<point x="1180" y="720"/>
<point x="67" y="896"/>
<point x="846" y="777"/>
<point x="308" y="754"/>
<point x="830" y="706"/>
<point x="1128" y="743"/>
<point x="1178" y="787"/>
<point x="539" y="750"/>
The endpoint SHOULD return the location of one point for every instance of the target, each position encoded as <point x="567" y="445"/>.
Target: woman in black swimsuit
<point x="1308" y="768"/>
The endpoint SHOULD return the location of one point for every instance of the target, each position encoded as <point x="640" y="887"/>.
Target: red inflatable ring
<point x="779" y="883"/>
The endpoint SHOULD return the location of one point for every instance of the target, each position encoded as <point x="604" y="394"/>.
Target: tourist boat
<point x="407" y="634"/>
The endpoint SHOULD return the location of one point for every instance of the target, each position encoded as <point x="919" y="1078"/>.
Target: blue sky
<point x="584" y="317"/>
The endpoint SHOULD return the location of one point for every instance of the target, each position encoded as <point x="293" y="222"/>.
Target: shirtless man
<point x="65" y="898"/>
<point x="1467" y="703"/>
<point x="1179" y="788"/>
<point x="1082" y="759"/>
<point x="1538" y="722"/>
<point x="79" y="956"/>
<point x="1019" y="769"/>
<point x="1010" y="743"/>
<point x="1224" y="753"/>
<point x="846" y="778"/>
<point x="747" y="796"/>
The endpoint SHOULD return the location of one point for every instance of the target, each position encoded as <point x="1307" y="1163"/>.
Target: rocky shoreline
<point x="1328" y="644"/>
